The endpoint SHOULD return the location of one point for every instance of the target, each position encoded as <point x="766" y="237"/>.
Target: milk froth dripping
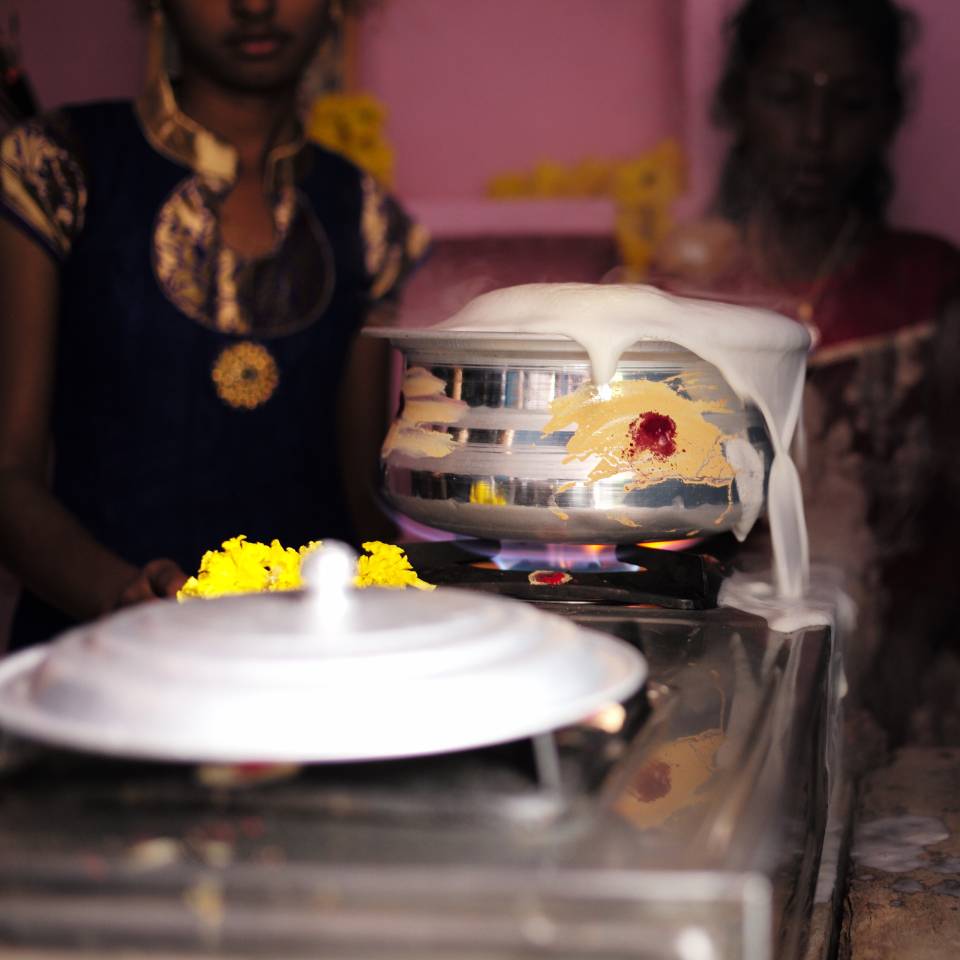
<point x="760" y="354"/>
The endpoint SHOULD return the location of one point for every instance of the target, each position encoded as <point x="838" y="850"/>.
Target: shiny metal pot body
<point x="494" y="473"/>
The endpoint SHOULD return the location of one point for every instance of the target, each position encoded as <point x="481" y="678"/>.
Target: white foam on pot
<point x="761" y="355"/>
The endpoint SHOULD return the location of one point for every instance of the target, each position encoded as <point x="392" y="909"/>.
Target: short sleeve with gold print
<point x="42" y="185"/>
<point x="393" y="243"/>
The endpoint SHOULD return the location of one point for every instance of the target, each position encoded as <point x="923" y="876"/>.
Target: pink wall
<point x="80" y="49"/>
<point x="475" y="88"/>
<point x="927" y="155"/>
<point x="703" y="54"/>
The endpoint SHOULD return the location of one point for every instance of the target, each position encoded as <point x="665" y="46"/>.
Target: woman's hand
<point x="157" y="579"/>
<point x="41" y="542"/>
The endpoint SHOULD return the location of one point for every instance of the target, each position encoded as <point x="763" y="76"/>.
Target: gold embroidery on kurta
<point x="418" y="239"/>
<point x="245" y="375"/>
<point x="373" y="226"/>
<point x="267" y="296"/>
<point x="284" y="291"/>
<point x="43" y="183"/>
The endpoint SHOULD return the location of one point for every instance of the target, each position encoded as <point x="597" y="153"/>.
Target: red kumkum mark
<point x="655" y="432"/>
<point x="549" y="578"/>
<point x="653" y="781"/>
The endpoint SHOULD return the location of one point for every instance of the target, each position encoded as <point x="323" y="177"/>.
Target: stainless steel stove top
<point x="690" y="827"/>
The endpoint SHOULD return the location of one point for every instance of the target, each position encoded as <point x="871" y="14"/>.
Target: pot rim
<point x="445" y="336"/>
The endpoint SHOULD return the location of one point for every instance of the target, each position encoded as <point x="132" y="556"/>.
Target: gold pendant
<point x="245" y="375"/>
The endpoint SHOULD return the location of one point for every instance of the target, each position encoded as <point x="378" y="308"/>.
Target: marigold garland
<point x="244" y="566"/>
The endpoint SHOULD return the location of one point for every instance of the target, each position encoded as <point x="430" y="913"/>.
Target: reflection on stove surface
<point x="652" y="819"/>
<point x="503" y="782"/>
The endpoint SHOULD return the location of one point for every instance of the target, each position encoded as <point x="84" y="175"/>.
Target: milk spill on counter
<point x="762" y="356"/>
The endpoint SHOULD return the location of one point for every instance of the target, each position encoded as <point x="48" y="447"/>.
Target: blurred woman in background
<point x="813" y="93"/>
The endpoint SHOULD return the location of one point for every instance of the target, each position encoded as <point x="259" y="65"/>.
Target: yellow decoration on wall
<point x="591" y="177"/>
<point x="654" y="178"/>
<point x="642" y="188"/>
<point x="353" y="124"/>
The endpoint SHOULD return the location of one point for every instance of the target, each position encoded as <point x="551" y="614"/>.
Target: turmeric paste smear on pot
<point x="644" y="427"/>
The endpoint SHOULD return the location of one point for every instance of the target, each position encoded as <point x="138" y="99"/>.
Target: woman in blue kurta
<point x="189" y="367"/>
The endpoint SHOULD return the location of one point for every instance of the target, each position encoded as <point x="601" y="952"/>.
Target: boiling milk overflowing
<point x="762" y="356"/>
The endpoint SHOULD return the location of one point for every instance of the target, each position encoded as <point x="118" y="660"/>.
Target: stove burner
<point x="570" y="557"/>
<point x="656" y="578"/>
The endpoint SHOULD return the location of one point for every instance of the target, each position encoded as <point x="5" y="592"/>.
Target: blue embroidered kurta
<point x="195" y="391"/>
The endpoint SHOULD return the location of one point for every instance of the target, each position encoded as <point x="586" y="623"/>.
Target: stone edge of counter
<point x="903" y="897"/>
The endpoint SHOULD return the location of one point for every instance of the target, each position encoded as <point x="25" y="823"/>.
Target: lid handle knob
<point x="329" y="573"/>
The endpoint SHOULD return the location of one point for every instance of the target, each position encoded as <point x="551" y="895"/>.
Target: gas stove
<point x="686" y="823"/>
<point x="623" y="575"/>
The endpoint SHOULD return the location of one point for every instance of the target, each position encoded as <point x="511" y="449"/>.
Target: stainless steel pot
<point x="504" y="436"/>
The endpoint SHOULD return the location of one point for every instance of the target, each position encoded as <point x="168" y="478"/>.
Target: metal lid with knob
<point x="330" y="673"/>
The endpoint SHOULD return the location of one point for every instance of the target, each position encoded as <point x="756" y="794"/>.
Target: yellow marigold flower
<point x="244" y="566"/>
<point x="639" y="230"/>
<point x="551" y="180"/>
<point x="655" y="177"/>
<point x="387" y="566"/>
<point x="353" y="124"/>
<point x="636" y="251"/>
<point x="591" y="177"/>
<point x="510" y="185"/>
